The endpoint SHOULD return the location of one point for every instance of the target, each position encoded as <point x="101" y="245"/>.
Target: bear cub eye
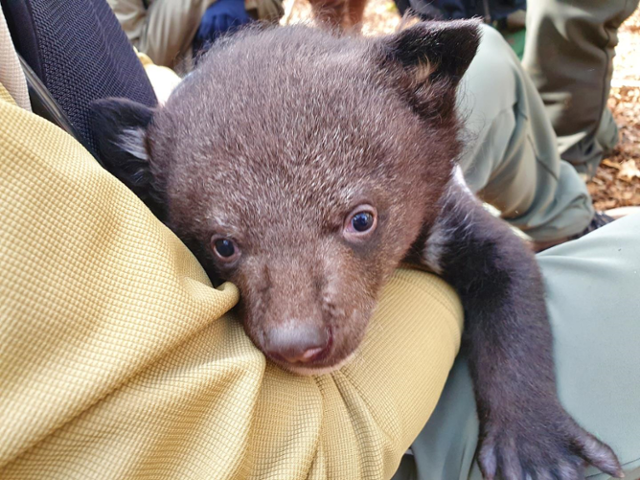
<point x="225" y="249"/>
<point x="360" y="223"/>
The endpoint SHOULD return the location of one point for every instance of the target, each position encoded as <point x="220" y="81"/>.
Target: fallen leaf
<point x="628" y="170"/>
<point x="608" y="163"/>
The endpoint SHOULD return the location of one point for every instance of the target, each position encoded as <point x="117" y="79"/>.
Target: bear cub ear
<point x="444" y="49"/>
<point x="120" y="127"/>
<point x="434" y="56"/>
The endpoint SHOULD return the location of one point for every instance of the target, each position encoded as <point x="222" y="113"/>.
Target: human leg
<point x="569" y="54"/>
<point x="511" y="160"/>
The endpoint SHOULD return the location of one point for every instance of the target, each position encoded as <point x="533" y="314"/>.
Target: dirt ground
<point x="617" y="182"/>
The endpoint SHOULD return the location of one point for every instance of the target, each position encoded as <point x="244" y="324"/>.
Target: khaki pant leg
<point x="593" y="302"/>
<point x="169" y="29"/>
<point x="569" y="53"/>
<point x="171" y="25"/>
<point x="511" y="159"/>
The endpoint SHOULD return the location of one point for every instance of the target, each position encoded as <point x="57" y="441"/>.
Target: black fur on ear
<point x="120" y="128"/>
<point x="434" y="56"/>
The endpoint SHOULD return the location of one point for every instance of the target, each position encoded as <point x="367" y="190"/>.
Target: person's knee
<point x="489" y="86"/>
<point x="492" y="41"/>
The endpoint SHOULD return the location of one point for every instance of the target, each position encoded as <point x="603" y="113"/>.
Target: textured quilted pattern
<point x="11" y="75"/>
<point x="118" y="359"/>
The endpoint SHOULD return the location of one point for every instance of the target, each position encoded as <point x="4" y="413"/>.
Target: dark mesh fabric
<point x="80" y="53"/>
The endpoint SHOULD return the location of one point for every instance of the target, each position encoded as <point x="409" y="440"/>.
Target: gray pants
<point x="512" y="159"/>
<point x="569" y="52"/>
<point x="593" y="298"/>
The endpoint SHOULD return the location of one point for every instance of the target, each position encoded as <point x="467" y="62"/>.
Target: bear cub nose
<point x="298" y="343"/>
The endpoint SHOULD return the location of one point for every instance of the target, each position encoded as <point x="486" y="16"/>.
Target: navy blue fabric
<point x="80" y="53"/>
<point x="456" y="9"/>
<point x="222" y="17"/>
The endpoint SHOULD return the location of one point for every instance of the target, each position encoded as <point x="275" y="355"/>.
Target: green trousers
<point x="569" y="52"/>
<point x="512" y="159"/>
<point x="592" y="296"/>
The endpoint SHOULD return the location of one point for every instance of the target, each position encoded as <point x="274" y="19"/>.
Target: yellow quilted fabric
<point x="119" y="360"/>
<point x="11" y="74"/>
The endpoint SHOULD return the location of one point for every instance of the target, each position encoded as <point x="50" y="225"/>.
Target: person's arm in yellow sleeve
<point x="119" y="360"/>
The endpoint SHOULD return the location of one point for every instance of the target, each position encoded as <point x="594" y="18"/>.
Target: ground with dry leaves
<point x="617" y="182"/>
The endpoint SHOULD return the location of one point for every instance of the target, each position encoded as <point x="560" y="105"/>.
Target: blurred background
<point x="617" y="182"/>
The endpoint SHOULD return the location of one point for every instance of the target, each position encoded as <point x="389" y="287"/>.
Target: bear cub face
<point x="303" y="167"/>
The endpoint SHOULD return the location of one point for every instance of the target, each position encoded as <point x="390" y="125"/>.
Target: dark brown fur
<point x="274" y="140"/>
<point x="231" y="158"/>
